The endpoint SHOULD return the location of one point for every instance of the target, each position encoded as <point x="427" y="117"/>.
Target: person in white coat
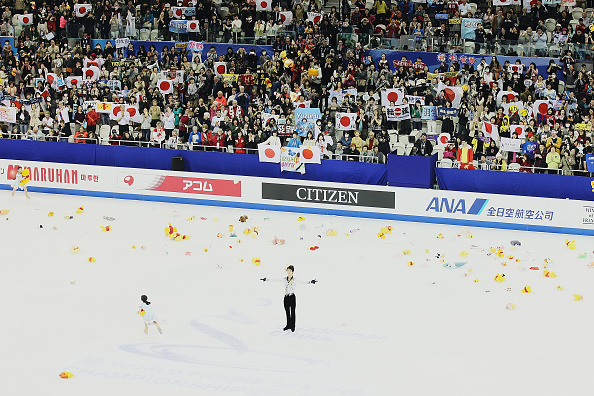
<point x="290" y="302"/>
<point x="147" y="315"/>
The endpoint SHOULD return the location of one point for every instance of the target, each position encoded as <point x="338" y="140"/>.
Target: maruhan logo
<point x="452" y="205"/>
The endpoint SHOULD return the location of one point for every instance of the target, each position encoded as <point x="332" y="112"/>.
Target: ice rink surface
<point x="381" y="320"/>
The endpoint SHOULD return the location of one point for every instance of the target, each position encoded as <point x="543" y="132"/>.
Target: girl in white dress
<point x="147" y="314"/>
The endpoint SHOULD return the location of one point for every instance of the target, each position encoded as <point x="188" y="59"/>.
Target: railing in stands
<point x="178" y="146"/>
<point x="529" y="169"/>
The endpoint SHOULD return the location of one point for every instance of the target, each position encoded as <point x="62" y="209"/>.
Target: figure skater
<point x="20" y="181"/>
<point x="290" y="302"/>
<point x="147" y="314"/>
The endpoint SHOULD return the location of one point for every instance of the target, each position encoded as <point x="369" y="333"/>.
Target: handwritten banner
<point x="196" y="46"/>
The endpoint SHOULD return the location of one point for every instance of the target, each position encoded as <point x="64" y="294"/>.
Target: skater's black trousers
<point x="290" y="303"/>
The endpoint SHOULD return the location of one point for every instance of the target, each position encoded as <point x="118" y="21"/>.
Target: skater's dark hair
<point x="144" y="299"/>
<point x="291" y="268"/>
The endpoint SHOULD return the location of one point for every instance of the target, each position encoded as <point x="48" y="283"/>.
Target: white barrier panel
<point x="397" y="203"/>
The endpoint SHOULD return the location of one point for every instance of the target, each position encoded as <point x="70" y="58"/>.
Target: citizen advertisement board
<point x="329" y="195"/>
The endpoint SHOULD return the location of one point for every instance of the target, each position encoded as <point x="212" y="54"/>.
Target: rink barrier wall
<point x="340" y="199"/>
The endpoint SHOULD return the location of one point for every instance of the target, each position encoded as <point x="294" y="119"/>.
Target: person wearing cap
<point x="289" y="301"/>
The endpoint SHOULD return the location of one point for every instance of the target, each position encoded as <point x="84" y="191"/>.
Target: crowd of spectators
<point x="308" y="62"/>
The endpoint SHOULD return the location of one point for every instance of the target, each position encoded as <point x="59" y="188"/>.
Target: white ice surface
<point x="372" y="325"/>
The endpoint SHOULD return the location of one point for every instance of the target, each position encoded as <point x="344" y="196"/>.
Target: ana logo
<point x="129" y="180"/>
<point x="440" y="205"/>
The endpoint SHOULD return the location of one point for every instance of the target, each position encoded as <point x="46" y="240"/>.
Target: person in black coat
<point x="423" y="146"/>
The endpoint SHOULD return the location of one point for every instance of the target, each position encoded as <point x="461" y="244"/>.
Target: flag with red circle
<point x="519" y="129"/>
<point x="73" y="81"/>
<point x="453" y="94"/>
<point x="116" y="109"/>
<point x="52" y="79"/>
<point x="540" y="107"/>
<point x="443" y="139"/>
<point x="286" y="17"/>
<point x="25" y="19"/>
<point x="268" y="153"/>
<point x="178" y="12"/>
<point x="91" y="73"/>
<point x="193" y="26"/>
<point x="220" y="68"/>
<point x="345" y="121"/>
<point x="392" y="95"/>
<point x="81" y="10"/>
<point x="490" y="130"/>
<point x="310" y="155"/>
<point x="134" y="113"/>
<point x="264" y="5"/>
<point x="165" y="86"/>
<point x="510" y="95"/>
<point x="314" y="17"/>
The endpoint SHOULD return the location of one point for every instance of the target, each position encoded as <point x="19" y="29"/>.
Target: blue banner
<point x="468" y="27"/>
<point x="178" y="26"/>
<point x="429" y="113"/>
<point x="447" y="111"/>
<point x="434" y="59"/>
<point x="305" y="120"/>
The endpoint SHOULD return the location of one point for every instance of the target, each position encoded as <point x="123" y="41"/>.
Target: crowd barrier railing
<point x="106" y="141"/>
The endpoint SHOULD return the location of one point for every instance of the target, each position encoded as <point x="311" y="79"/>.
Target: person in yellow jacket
<point x="553" y="160"/>
<point x="381" y="10"/>
<point x="358" y="141"/>
<point x="499" y="163"/>
<point x="554" y="141"/>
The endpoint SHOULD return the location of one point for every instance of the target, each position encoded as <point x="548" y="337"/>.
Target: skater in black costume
<point x="290" y="301"/>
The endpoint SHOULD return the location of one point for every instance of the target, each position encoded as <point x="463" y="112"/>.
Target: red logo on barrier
<point x="129" y="180"/>
<point x="191" y="185"/>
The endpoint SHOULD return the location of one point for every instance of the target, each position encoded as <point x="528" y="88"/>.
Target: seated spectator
<point x="423" y="146"/>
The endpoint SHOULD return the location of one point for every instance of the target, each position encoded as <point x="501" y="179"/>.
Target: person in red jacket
<point x="240" y="144"/>
<point x="92" y="117"/>
<point x="81" y="135"/>
<point x="464" y="156"/>
<point x="218" y="140"/>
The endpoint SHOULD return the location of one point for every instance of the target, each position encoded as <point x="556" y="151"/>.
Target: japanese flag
<point x="220" y="68"/>
<point x="133" y="113"/>
<point x="509" y="94"/>
<point x="91" y="73"/>
<point x="264" y="5"/>
<point x="25" y="19"/>
<point x="443" y="139"/>
<point x="115" y="111"/>
<point x="453" y="94"/>
<point x="392" y="95"/>
<point x="519" y="129"/>
<point x="178" y="12"/>
<point x="52" y="79"/>
<point x="315" y="17"/>
<point x="81" y="10"/>
<point x="310" y="155"/>
<point x="286" y="17"/>
<point x="73" y="81"/>
<point x="268" y="153"/>
<point x="193" y="26"/>
<point x="345" y="121"/>
<point x="490" y="130"/>
<point x="540" y="106"/>
<point x="165" y="86"/>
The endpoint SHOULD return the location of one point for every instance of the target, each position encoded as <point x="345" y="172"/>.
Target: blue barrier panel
<point x="194" y="161"/>
<point x="69" y="153"/>
<point x="417" y="172"/>
<point x="516" y="183"/>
